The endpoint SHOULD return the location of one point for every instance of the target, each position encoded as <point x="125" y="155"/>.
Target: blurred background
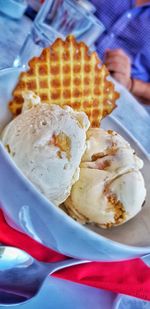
<point x="118" y="30"/>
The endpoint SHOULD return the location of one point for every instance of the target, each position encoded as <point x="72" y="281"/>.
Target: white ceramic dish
<point x="27" y="210"/>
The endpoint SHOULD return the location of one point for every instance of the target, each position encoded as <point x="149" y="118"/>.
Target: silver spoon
<point x="21" y="276"/>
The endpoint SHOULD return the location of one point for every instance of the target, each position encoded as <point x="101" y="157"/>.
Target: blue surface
<point x="13" y="8"/>
<point x="127" y="302"/>
<point x="12" y="35"/>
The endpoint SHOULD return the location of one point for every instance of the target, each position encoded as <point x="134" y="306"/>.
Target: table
<point x="12" y="37"/>
<point x="129" y="112"/>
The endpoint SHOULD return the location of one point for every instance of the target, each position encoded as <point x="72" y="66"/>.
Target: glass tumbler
<point x="58" y="18"/>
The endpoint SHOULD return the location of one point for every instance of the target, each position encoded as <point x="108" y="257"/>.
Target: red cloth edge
<point x="130" y="277"/>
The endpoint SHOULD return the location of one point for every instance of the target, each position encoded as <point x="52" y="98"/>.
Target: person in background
<point x="125" y="44"/>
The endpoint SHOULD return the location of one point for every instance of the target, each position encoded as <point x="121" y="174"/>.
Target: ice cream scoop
<point x="111" y="189"/>
<point x="47" y="143"/>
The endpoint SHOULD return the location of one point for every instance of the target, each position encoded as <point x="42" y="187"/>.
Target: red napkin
<point x="127" y="277"/>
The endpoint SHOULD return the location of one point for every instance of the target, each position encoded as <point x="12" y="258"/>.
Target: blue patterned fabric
<point x="126" y="27"/>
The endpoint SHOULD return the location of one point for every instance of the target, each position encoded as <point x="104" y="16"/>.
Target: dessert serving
<point x="56" y="141"/>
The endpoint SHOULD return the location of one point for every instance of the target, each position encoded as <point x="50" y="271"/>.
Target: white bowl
<point x="29" y="211"/>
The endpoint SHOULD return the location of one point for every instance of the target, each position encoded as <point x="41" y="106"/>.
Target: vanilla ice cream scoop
<point x="111" y="189"/>
<point x="47" y="143"/>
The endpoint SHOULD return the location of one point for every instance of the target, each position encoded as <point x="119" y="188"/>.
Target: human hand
<point x="119" y="65"/>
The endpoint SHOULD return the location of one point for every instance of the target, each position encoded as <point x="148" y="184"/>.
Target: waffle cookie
<point x="67" y="74"/>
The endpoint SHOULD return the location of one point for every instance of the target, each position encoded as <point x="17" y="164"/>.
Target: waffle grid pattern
<point x="66" y="74"/>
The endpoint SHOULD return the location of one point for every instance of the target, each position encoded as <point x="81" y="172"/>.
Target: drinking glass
<point x="58" y="18"/>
